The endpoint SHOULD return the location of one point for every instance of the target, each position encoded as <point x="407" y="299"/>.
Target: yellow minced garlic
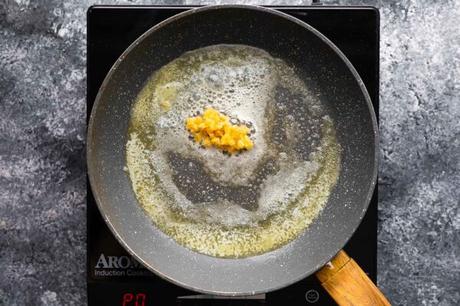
<point x="214" y="129"/>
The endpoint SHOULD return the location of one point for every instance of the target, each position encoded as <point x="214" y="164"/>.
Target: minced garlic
<point x="215" y="129"/>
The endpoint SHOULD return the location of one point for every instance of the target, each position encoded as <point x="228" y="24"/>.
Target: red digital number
<point x="127" y="298"/>
<point x="140" y="299"/>
<point x="136" y="300"/>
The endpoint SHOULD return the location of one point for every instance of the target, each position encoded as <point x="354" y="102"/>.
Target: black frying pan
<point x="314" y="56"/>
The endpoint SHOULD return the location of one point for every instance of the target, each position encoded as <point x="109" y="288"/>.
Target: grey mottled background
<point x="42" y="136"/>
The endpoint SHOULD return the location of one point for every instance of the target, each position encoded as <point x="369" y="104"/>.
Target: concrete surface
<point x="42" y="138"/>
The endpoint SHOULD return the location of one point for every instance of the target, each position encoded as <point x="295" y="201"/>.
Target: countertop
<point x="42" y="141"/>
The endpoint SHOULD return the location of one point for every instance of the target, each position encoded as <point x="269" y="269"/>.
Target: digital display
<point x="134" y="299"/>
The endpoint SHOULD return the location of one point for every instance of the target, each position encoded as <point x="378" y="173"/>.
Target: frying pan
<point x="328" y="71"/>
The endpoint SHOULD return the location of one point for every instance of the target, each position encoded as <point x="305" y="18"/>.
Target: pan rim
<point x="191" y="11"/>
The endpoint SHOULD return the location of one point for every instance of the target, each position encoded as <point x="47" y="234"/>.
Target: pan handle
<point x="347" y="283"/>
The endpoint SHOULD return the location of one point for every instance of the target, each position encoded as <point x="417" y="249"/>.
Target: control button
<point x="312" y="296"/>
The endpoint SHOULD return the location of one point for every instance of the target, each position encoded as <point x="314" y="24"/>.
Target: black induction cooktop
<point x="114" y="277"/>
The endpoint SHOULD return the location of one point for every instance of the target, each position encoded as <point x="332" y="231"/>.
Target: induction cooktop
<point x="113" y="276"/>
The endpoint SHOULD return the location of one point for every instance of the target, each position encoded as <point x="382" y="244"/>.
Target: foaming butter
<point x="234" y="205"/>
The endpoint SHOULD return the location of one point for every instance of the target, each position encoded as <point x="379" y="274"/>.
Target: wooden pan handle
<point x="347" y="283"/>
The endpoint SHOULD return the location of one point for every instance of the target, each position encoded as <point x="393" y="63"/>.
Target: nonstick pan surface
<point x="328" y="72"/>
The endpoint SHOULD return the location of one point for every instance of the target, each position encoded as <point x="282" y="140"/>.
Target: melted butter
<point x="245" y="204"/>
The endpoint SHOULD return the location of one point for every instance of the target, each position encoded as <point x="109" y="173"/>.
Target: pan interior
<point x="236" y="205"/>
